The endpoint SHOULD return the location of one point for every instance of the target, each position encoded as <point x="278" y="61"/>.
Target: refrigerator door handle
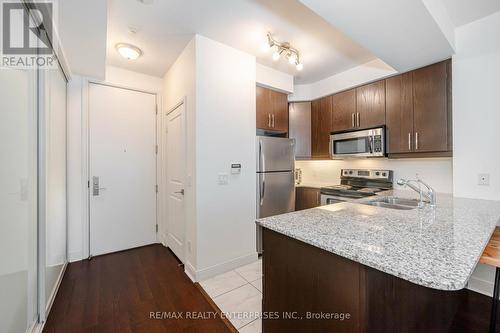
<point x="262" y="190"/>
<point x="262" y="161"/>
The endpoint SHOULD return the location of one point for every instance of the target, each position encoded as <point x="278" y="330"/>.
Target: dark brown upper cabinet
<point x="370" y="105"/>
<point x="419" y="112"/>
<point x="321" y="120"/>
<point x="280" y="111"/>
<point x="272" y="110"/>
<point x="399" y="113"/>
<point x="431" y="108"/>
<point x="343" y="111"/>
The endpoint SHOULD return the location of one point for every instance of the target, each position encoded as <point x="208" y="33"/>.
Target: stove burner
<point x="359" y="186"/>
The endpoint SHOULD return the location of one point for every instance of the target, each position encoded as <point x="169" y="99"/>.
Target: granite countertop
<point x="436" y="247"/>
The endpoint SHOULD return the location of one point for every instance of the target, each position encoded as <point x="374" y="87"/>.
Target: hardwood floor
<point x="117" y="293"/>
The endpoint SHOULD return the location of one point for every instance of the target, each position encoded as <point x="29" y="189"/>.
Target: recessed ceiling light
<point x="146" y="2"/>
<point x="128" y="51"/>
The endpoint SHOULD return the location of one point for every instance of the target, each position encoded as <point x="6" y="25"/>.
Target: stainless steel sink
<point x="394" y="203"/>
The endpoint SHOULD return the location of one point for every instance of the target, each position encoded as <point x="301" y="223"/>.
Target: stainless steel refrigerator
<point x="275" y="178"/>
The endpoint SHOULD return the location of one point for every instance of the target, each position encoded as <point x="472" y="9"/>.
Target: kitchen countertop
<point x="436" y="247"/>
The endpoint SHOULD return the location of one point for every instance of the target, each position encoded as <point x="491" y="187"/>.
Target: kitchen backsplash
<point x="437" y="172"/>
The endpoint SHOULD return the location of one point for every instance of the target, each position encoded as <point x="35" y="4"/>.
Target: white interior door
<point x="176" y="165"/>
<point x="122" y="126"/>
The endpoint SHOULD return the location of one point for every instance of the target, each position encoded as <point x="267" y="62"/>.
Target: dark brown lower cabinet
<point x="307" y="289"/>
<point x="306" y="197"/>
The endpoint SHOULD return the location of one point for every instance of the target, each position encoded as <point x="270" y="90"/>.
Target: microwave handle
<point x="370" y="143"/>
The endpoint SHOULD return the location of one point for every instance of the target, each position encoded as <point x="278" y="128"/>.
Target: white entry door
<point x="122" y="126"/>
<point x="176" y="164"/>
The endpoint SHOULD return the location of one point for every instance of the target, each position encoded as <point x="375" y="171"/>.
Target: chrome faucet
<point x="430" y="194"/>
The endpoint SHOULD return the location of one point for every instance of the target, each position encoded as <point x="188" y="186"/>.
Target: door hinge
<point x="156" y="188"/>
<point x="156" y="109"/>
<point x="156" y="149"/>
<point x="156" y="227"/>
<point x="88" y="183"/>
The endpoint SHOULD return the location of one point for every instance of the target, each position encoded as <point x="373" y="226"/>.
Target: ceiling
<point x="162" y="30"/>
<point x="465" y="11"/>
<point x="402" y="33"/>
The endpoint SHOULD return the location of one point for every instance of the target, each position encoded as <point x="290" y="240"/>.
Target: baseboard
<point x="190" y="271"/>
<point x="53" y="294"/>
<point x="209" y="272"/>
<point x="37" y="328"/>
<point x="75" y="256"/>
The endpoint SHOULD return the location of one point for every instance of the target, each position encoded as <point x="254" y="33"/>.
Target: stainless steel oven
<point x="360" y="143"/>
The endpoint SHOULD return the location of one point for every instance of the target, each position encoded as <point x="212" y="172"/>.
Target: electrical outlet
<point x="483" y="179"/>
<point x="223" y="179"/>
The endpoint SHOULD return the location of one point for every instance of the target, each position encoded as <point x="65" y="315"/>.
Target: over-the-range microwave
<point x="359" y="143"/>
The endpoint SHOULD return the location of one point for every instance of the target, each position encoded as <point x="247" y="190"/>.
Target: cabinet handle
<point x="409" y="141"/>
<point x="272" y="117"/>
<point x="268" y="120"/>
<point x="416" y="140"/>
<point x="352" y="118"/>
<point x="357" y="117"/>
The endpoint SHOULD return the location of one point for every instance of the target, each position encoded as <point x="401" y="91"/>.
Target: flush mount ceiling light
<point x="284" y="49"/>
<point x="128" y="51"/>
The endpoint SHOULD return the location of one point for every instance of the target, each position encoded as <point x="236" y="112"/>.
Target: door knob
<point x="180" y="192"/>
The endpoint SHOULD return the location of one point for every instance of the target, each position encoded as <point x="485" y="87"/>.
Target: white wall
<point x="76" y="171"/>
<point x="368" y="72"/>
<point x="271" y="78"/>
<point x="134" y="80"/>
<point x="435" y="171"/>
<point x="476" y="115"/>
<point x="76" y="158"/>
<point x="225" y="134"/>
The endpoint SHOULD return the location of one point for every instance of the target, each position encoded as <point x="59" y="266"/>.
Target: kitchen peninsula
<point x="391" y="270"/>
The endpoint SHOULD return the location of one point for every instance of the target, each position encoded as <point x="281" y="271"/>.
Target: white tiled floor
<point x="238" y="293"/>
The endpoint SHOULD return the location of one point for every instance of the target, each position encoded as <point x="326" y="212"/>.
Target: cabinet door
<point x="263" y="108"/>
<point x="280" y="111"/>
<point x="343" y="110"/>
<point x="399" y="113"/>
<point x="300" y="128"/>
<point x="321" y="119"/>
<point x="370" y="104"/>
<point x="430" y="109"/>
<point x="306" y="197"/>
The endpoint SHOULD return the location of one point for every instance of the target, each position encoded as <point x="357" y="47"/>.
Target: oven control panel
<point x="370" y="174"/>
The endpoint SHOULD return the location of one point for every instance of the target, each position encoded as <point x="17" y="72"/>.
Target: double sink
<point x="394" y="203"/>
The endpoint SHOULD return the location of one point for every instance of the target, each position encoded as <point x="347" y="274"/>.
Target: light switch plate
<point x="483" y="179"/>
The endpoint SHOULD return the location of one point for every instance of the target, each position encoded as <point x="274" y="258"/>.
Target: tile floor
<point x="239" y="294"/>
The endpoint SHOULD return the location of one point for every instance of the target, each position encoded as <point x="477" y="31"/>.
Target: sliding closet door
<point x="18" y="170"/>
<point x="55" y="187"/>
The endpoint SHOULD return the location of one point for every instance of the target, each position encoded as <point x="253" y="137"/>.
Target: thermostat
<point x="235" y="168"/>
